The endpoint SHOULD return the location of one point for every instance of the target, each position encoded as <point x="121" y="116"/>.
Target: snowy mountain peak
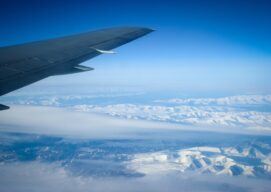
<point x="248" y="161"/>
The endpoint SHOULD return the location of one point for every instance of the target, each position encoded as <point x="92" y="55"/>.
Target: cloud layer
<point x="36" y="176"/>
<point x="61" y="121"/>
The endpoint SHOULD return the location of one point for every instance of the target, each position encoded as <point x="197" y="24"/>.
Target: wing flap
<point x="104" y="51"/>
<point x="77" y="69"/>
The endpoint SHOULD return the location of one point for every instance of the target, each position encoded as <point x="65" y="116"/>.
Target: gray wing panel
<point x="24" y="64"/>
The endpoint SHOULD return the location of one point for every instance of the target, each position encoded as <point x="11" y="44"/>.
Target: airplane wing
<point x="21" y="65"/>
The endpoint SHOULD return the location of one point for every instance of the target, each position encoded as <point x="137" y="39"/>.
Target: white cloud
<point x="60" y="121"/>
<point x="36" y="176"/>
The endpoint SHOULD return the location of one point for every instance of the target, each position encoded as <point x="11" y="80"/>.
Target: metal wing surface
<point x="21" y="65"/>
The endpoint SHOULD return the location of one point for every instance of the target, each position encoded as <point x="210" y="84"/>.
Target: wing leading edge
<point x="21" y="65"/>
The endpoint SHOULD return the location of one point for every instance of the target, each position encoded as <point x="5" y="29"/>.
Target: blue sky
<point x="198" y="46"/>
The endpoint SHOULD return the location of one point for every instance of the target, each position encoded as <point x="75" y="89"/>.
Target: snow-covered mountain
<point x="189" y="152"/>
<point x="250" y="160"/>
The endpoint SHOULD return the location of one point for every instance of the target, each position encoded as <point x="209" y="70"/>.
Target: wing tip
<point x="149" y="30"/>
<point x="135" y="28"/>
<point x="146" y="29"/>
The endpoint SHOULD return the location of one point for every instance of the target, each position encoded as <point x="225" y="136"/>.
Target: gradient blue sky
<point x="204" y="46"/>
